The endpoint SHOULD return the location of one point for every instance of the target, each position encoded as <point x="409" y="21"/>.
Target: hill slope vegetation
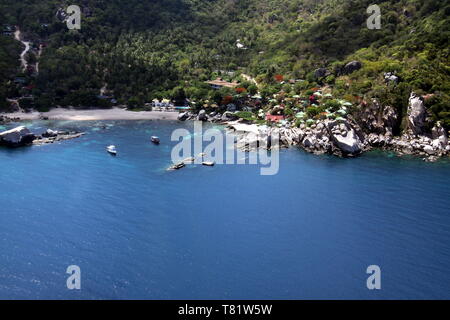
<point x="139" y="50"/>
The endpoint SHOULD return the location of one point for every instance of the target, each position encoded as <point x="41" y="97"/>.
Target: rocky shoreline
<point x="345" y="137"/>
<point x="22" y="136"/>
<point x="372" y="127"/>
<point x="6" y="119"/>
<point x="51" y="136"/>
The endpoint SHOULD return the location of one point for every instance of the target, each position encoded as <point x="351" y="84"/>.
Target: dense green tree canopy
<point x="139" y="50"/>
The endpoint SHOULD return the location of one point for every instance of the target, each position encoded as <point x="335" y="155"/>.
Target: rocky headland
<point x="22" y="136"/>
<point x="372" y="127"/>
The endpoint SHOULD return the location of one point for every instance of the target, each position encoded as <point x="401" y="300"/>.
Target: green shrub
<point x="247" y="115"/>
<point x="332" y="105"/>
<point x="311" y="112"/>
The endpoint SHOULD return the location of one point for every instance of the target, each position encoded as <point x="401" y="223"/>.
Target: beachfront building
<point x="163" y="105"/>
<point x="220" y="83"/>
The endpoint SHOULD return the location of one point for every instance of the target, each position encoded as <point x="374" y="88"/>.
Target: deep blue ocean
<point x="223" y="232"/>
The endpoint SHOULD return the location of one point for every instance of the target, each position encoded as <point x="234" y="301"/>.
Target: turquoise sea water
<point x="222" y="232"/>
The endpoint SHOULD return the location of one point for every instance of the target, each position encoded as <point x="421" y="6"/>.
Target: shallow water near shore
<point x="222" y="232"/>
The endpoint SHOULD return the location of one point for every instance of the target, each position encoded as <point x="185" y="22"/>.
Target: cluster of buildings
<point x="250" y="102"/>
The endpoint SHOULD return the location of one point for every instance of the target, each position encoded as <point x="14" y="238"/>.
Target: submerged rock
<point x="59" y="136"/>
<point x="17" y="137"/>
<point x="49" y="133"/>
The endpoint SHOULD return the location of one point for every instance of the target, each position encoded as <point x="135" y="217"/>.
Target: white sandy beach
<point x="96" y="114"/>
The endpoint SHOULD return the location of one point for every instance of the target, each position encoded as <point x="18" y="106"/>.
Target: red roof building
<point x="274" y="118"/>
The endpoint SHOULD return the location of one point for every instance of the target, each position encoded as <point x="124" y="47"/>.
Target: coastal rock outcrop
<point x="5" y="119"/>
<point x="377" y="119"/>
<point x="379" y="123"/>
<point x="373" y="126"/>
<point x="17" y="137"/>
<point x="344" y="138"/>
<point x="22" y="136"/>
<point x="420" y="146"/>
<point x="49" y="133"/>
<point x="315" y="139"/>
<point x="439" y="135"/>
<point x="416" y="114"/>
<point x="389" y="118"/>
<point x="338" y="137"/>
<point x="51" y="136"/>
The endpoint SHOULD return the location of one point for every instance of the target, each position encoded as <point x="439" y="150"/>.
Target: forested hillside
<point x="137" y="50"/>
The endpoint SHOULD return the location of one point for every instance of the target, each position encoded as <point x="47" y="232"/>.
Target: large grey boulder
<point x="17" y="137"/>
<point x="345" y="138"/>
<point x="217" y="117"/>
<point x="439" y="135"/>
<point x="390" y="78"/>
<point x="321" y="73"/>
<point x="229" y="116"/>
<point x="49" y="133"/>
<point x="352" y="67"/>
<point x="309" y="141"/>
<point x="183" y="116"/>
<point x="202" y="116"/>
<point x="416" y="114"/>
<point x="429" y="149"/>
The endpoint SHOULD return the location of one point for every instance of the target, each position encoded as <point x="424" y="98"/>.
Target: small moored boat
<point x="177" y="166"/>
<point x="208" y="163"/>
<point x="111" y="150"/>
<point x="189" y="160"/>
<point x="155" y="139"/>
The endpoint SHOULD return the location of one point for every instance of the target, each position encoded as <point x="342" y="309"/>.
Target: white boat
<point x="111" y="150"/>
<point x="189" y="160"/>
<point x="208" y="163"/>
<point x="176" y="166"/>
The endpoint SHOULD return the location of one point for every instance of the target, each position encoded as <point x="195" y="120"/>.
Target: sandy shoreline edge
<point x="94" y="114"/>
